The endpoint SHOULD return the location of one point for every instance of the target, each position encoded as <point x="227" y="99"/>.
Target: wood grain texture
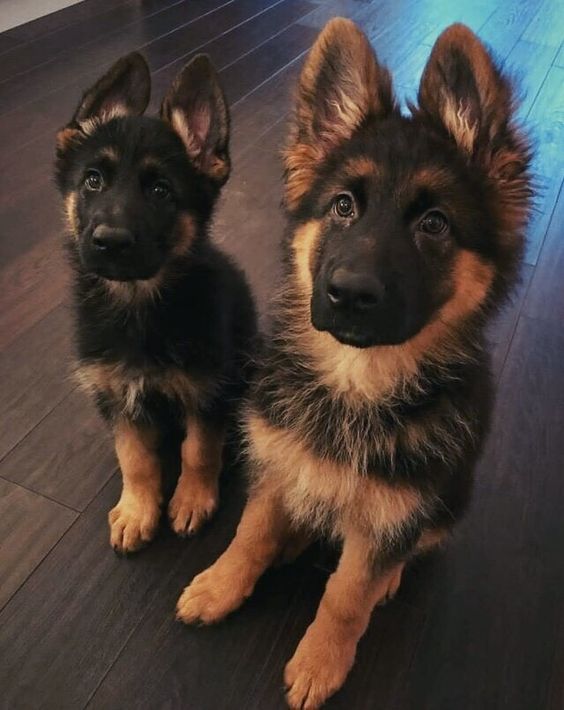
<point x="30" y="525"/>
<point x="34" y="371"/>
<point x="545" y="298"/>
<point x="74" y="470"/>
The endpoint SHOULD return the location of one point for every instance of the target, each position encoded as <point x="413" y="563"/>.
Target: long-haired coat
<point x="373" y="395"/>
<point x="164" y="320"/>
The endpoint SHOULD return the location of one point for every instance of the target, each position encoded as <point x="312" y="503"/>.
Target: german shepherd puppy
<point x="164" y="319"/>
<point x="373" y="395"/>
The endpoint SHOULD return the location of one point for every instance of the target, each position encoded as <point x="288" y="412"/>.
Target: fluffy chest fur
<point x="417" y="434"/>
<point x="129" y="387"/>
<point x="322" y="494"/>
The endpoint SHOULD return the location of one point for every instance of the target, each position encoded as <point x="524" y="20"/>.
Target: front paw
<point x="191" y="506"/>
<point x="318" y="669"/>
<point x="212" y="595"/>
<point x="133" y="523"/>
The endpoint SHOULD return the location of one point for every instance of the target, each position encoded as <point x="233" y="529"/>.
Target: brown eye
<point x="433" y="223"/>
<point x="343" y="205"/>
<point x="161" y="190"/>
<point x="94" y="180"/>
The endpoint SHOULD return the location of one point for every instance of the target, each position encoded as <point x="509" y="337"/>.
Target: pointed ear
<point x="196" y="108"/>
<point x="463" y="90"/>
<point x="124" y="90"/>
<point x="340" y="87"/>
<point x="464" y="94"/>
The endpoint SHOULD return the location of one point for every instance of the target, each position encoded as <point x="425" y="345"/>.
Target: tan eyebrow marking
<point x="110" y="153"/>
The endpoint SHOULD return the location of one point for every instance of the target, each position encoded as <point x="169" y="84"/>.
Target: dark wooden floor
<point x="478" y="627"/>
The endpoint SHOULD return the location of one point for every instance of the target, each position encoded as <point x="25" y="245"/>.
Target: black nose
<point x="354" y="290"/>
<point x="112" y="239"/>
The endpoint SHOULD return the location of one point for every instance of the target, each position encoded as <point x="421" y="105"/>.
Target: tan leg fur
<point x="134" y="520"/>
<point x="326" y="653"/>
<point x="224" y="586"/>
<point x="196" y="495"/>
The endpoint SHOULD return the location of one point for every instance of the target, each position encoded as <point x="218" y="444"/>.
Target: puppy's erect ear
<point x="124" y="90"/>
<point x="197" y="110"/>
<point x="466" y="95"/>
<point x="462" y="89"/>
<point x="340" y="87"/>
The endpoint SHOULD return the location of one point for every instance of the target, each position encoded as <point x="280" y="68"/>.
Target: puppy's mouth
<point x="358" y="339"/>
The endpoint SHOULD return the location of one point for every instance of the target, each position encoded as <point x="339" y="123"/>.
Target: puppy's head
<point x="139" y="190"/>
<point x="401" y="222"/>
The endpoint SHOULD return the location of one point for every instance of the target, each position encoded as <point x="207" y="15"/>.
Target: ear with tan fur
<point x="125" y="89"/>
<point x="341" y="85"/>
<point x="464" y="93"/>
<point x="463" y="89"/>
<point x="197" y="110"/>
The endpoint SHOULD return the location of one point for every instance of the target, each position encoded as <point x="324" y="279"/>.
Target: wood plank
<point x="529" y="63"/>
<point x="237" y="649"/>
<point x="545" y="298"/>
<point x="54" y="21"/>
<point x="30" y="526"/>
<point x="490" y="634"/>
<point x="62" y="631"/>
<point x="165" y="28"/>
<point x="33" y="284"/>
<point x="34" y="372"/>
<point x="43" y="49"/>
<point x="8" y="43"/>
<point x="67" y="457"/>
<point x="546" y="121"/>
<point x="507" y="23"/>
<point x="559" y="61"/>
<point x="501" y="330"/>
<point x="546" y="26"/>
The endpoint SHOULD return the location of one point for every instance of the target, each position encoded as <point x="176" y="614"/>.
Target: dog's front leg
<point x="326" y="653"/>
<point x="135" y="518"/>
<point x="196" y="495"/>
<point x="219" y="590"/>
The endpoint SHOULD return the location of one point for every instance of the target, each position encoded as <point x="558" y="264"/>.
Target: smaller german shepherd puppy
<point x="164" y="320"/>
<point x="372" y="397"/>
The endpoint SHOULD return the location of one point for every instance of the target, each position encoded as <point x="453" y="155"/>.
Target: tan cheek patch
<point x="186" y="231"/>
<point x="305" y="241"/>
<point x="472" y="278"/>
<point x="71" y="216"/>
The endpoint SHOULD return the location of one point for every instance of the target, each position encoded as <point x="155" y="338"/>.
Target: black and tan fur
<point x="367" y="415"/>
<point x="164" y="320"/>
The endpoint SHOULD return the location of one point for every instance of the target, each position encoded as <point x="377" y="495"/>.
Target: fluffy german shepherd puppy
<point x="372" y="399"/>
<point x="164" y="319"/>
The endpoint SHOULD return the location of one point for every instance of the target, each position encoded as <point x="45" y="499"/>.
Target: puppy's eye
<point x="433" y="223"/>
<point x="160" y="190"/>
<point x="343" y="205"/>
<point x="93" y="180"/>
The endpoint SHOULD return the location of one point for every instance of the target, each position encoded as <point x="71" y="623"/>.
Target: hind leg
<point x="134" y="520"/>
<point x="196" y="495"/>
<point x="224" y="586"/>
